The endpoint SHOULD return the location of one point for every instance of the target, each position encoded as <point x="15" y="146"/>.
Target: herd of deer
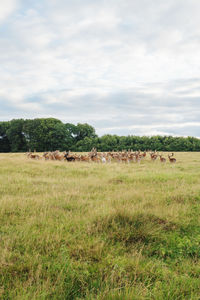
<point x="102" y="157"/>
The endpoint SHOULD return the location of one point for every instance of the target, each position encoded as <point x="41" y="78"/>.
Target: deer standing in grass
<point x="153" y="156"/>
<point x="172" y="159"/>
<point x="162" y="159"/>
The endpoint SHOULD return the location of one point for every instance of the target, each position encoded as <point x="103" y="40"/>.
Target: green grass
<point x="94" y="231"/>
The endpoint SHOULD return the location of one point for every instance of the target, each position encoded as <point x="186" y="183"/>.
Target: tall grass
<point x="94" y="231"/>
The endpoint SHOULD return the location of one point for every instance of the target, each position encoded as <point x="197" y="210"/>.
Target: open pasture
<point x="78" y="230"/>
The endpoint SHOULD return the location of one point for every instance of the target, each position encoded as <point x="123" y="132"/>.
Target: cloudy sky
<point x="123" y="66"/>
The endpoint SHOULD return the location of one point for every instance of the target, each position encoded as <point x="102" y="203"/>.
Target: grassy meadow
<point x="99" y="231"/>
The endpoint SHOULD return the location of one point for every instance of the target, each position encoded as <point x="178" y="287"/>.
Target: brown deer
<point x="172" y="159"/>
<point x="153" y="156"/>
<point x="33" y="156"/>
<point x="57" y="155"/>
<point x="162" y="159"/>
<point x="85" y="158"/>
<point x="95" y="158"/>
<point x="144" y="154"/>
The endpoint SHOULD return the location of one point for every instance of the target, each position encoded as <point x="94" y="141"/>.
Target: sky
<point x="122" y="66"/>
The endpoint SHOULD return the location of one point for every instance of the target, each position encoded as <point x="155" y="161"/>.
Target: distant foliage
<point x="49" y="134"/>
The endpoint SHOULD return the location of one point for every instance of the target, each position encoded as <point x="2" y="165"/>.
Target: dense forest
<point x="48" y="134"/>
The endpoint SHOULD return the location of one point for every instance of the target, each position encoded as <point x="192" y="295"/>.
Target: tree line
<point x="49" y="134"/>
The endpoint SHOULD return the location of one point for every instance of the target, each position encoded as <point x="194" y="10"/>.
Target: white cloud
<point x="102" y="62"/>
<point x="7" y="8"/>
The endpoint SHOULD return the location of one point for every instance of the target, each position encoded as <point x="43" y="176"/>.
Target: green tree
<point x="50" y="134"/>
<point x="84" y="130"/>
<point x="109" y="142"/>
<point x="71" y="133"/>
<point x="84" y="145"/>
<point x="45" y="134"/>
<point x="16" y="136"/>
<point x="4" y="141"/>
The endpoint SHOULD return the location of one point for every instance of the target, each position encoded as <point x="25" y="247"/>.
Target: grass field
<point x="95" y="231"/>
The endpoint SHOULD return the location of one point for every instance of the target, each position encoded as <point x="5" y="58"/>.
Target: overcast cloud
<point x="123" y="66"/>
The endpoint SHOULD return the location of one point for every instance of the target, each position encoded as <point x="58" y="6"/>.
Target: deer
<point x="124" y="159"/>
<point x="95" y="158"/>
<point x="93" y="152"/>
<point x="58" y="156"/>
<point x="138" y="158"/>
<point x="144" y="154"/>
<point x="153" y="156"/>
<point x="69" y="158"/>
<point x="33" y="156"/>
<point x="103" y="159"/>
<point x="85" y="158"/>
<point x="162" y="159"/>
<point x="172" y="159"/>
